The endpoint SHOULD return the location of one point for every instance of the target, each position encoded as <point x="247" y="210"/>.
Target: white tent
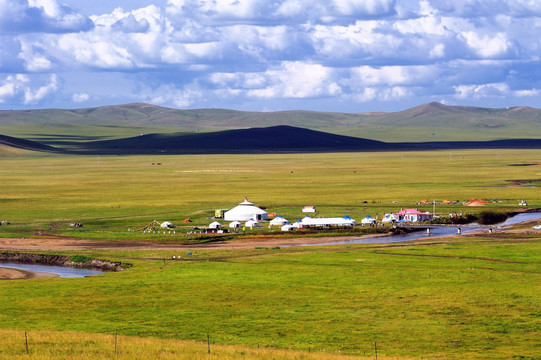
<point x="279" y="220"/>
<point x="245" y="211"/>
<point x="387" y="218"/>
<point x="167" y="225"/>
<point x="368" y="220"/>
<point x="325" y="222"/>
<point x="251" y="223"/>
<point x="215" y="225"/>
<point x="235" y="224"/>
<point x="287" y="227"/>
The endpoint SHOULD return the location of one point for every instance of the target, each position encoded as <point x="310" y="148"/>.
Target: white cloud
<point x="40" y="16"/>
<point x="167" y="94"/>
<point x="81" y="97"/>
<point x="487" y="46"/>
<point x="34" y="96"/>
<point x="394" y="75"/>
<point x="6" y="91"/>
<point x="527" y="93"/>
<point x="298" y="80"/>
<point x="365" y="7"/>
<point x="481" y="91"/>
<point x="267" y="50"/>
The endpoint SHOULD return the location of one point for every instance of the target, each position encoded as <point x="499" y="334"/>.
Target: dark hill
<point x="26" y="144"/>
<point x="270" y="139"/>
<point x="276" y="139"/>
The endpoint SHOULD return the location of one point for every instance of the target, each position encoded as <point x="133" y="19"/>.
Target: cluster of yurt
<point x="250" y="214"/>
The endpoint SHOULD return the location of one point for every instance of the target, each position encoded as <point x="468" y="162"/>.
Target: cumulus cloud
<point x="40" y="16"/>
<point x="29" y="90"/>
<point x="131" y="24"/>
<point x="481" y="91"/>
<point x="34" y="96"/>
<point x="207" y="52"/>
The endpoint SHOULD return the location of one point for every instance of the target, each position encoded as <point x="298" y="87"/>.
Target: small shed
<point x="309" y="209"/>
<point x="219" y="213"/>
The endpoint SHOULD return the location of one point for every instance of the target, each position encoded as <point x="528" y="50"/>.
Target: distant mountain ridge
<point x="144" y="115"/>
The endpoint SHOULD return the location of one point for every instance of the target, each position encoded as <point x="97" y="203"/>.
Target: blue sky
<point x="333" y="55"/>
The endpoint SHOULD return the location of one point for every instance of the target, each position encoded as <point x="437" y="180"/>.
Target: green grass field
<point x="454" y="299"/>
<point x="111" y="194"/>
<point x="450" y="299"/>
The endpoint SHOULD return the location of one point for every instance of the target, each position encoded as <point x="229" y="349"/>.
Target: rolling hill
<point x="274" y="139"/>
<point x="8" y="142"/>
<point x="139" y="115"/>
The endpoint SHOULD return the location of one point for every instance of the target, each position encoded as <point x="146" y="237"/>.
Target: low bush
<point x="491" y="217"/>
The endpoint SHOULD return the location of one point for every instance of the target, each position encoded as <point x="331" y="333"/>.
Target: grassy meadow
<point x="453" y="299"/>
<point x="463" y="297"/>
<point x="110" y="195"/>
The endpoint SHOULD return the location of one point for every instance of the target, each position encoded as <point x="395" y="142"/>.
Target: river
<point x="434" y="232"/>
<point x="61" y="271"/>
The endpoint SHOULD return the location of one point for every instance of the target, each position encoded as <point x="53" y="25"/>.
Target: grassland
<point x="471" y="297"/>
<point x="454" y="299"/>
<point x="111" y="194"/>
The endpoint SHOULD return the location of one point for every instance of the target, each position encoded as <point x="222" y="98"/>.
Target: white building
<point x="245" y="211"/>
<point x="326" y="222"/>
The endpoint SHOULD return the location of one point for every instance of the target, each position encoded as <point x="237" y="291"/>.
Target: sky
<point x="262" y="55"/>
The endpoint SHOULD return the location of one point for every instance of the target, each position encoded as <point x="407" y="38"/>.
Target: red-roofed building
<point x="414" y="215"/>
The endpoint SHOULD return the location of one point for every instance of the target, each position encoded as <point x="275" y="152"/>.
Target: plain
<point x="463" y="297"/>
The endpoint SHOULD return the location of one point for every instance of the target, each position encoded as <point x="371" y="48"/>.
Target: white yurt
<point x="287" y="227"/>
<point x="215" y="225"/>
<point x="251" y="223"/>
<point x="368" y="220"/>
<point x="278" y="221"/>
<point x="245" y="211"/>
<point x="235" y="225"/>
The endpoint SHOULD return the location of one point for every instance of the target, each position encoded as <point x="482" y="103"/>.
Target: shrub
<point x="491" y="218"/>
<point x="80" y="259"/>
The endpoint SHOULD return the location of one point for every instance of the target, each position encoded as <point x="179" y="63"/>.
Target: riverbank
<point x="15" y="274"/>
<point x="58" y="260"/>
<point x="66" y="243"/>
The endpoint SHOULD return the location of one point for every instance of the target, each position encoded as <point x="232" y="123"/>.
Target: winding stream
<point x="434" y="232"/>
